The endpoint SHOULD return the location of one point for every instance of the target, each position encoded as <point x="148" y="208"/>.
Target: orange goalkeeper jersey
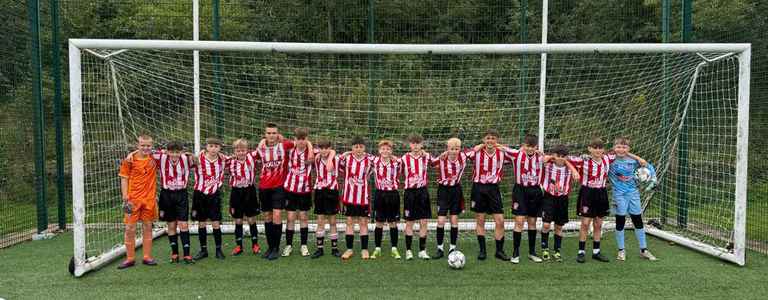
<point x="142" y="182"/>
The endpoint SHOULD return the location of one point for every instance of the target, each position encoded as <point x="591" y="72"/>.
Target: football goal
<point x="684" y="107"/>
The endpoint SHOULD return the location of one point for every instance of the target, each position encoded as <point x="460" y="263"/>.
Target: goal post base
<point x="111" y="255"/>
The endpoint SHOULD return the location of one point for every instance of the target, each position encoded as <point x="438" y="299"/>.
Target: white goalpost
<point x="176" y="91"/>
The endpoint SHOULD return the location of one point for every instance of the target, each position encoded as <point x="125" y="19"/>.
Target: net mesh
<point x="654" y="99"/>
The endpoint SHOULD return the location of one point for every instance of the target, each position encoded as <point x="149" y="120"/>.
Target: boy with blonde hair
<point x="243" y="198"/>
<point x="450" y="197"/>
<point x="386" y="201"/>
<point x="138" y="184"/>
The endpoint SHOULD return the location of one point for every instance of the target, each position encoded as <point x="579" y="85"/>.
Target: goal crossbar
<point x="338" y="48"/>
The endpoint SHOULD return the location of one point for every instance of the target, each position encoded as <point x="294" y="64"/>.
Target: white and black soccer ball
<point x="456" y="260"/>
<point x="642" y="174"/>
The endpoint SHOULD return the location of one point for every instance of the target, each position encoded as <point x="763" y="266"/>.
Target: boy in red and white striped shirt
<point x="243" y="197"/>
<point x="386" y="203"/>
<point x="450" y="197"/>
<point x="206" y="202"/>
<point x="326" y="196"/>
<point x="488" y="159"/>
<point x="416" y="204"/>
<point x="526" y="194"/>
<point x="556" y="183"/>
<point x="298" y="190"/>
<point x="592" y="205"/>
<point x="357" y="165"/>
<point x="174" y="169"/>
<point x="272" y="153"/>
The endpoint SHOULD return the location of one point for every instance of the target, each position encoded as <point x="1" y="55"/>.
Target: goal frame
<point x="82" y="264"/>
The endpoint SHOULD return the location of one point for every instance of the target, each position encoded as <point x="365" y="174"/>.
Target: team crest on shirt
<point x="487" y="177"/>
<point x="407" y="213"/>
<point x="472" y="204"/>
<point x="585" y="209"/>
<point x="356" y="181"/>
<point x="416" y="179"/>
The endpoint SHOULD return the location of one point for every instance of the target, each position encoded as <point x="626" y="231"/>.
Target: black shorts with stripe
<point x="416" y="204"/>
<point x="272" y="199"/>
<point x="486" y="198"/>
<point x="206" y="207"/>
<point x="326" y="202"/>
<point x="302" y="202"/>
<point x="174" y="205"/>
<point x="352" y="210"/>
<point x="386" y="206"/>
<point x="244" y="201"/>
<point x="592" y="202"/>
<point x="450" y="200"/>
<point x="526" y="200"/>
<point x="554" y="209"/>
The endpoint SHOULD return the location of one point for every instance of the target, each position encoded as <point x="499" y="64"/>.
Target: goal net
<point x="684" y="107"/>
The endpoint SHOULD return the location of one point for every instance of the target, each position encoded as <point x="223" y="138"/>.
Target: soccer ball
<point x="456" y="260"/>
<point x="642" y="174"/>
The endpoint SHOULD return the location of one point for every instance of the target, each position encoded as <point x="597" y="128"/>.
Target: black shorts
<point x="592" y="202"/>
<point x="206" y="207"/>
<point x="351" y="210"/>
<point x="554" y="209"/>
<point x="526" y="200"/>
<point x="243" y="202"/>
<point x="326" y="202"/>
<point x="450" y="199"/>
<point x="302" y="202"/>
<point x="486" y="198"/>
<point x="416" y="205"/>
<point x="272" y="199"/>
<point x="174" y="205"/>
<point x="386" y="206"/>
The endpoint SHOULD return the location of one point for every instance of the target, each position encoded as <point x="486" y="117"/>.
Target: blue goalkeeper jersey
<point x="622" y="175"/>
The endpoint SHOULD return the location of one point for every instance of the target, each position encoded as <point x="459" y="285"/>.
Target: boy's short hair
<point x="387" y="143"/>
<point x="491" y="132"/>
<point x="174" y="146"/>
<point x="270" y="125"/>
<point x="531" y="140"/>
<point x="453" y="142"/>
<point x="240" y="143"/>
<point x="596" y="142"/>
<point x="357" y="140"/>
<point x="213" y="141"/>
<point x="622" y="140"/>
<point x="143" y="137"/>
<point x="561" y="150"/>
<point x="415" y="138"/>
<point x="323" y="143"/>
<point x="301" y="133"/>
